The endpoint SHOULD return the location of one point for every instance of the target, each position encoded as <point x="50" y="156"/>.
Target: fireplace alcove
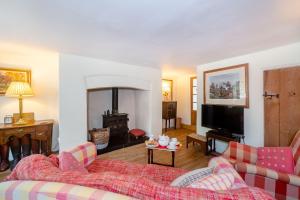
<point x="128" y="109"/>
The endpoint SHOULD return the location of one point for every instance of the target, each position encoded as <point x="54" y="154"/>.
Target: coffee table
<point x="150" y="155"/>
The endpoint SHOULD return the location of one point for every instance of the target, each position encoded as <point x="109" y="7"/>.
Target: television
<point x="225" y="120"/>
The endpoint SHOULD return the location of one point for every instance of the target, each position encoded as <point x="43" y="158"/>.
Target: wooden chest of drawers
<point x="38" y="130"/>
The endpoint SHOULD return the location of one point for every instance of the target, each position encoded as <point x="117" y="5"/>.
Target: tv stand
<point x="215" y="135"/>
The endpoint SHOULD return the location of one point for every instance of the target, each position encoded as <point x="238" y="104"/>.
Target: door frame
<point x="193" y="113"/>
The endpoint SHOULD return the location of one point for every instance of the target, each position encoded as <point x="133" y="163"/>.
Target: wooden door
<point x="271" y="107"/>
<point x="289" y="104"/>
<point x="193" y="86"/>
<point x="282" y="114"/>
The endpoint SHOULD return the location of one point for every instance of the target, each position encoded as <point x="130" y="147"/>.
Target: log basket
<point x="100" y="137"/>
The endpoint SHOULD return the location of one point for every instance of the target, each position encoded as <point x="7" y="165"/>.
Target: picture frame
<point x="8" y="75"/>
<point x="227" y="86"/>
<point x="167" y="90"/>
<point x="8" y="119"/>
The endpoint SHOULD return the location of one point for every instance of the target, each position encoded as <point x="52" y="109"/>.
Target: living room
<point x="73" y="57"/>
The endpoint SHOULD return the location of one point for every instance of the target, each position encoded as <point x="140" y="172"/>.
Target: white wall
<point x="77" y="74"/>
<point x="44" y="68"/>
<point x="280" y="57"/>
<point x="101" y="100"/>
<point x="183" y="98"/>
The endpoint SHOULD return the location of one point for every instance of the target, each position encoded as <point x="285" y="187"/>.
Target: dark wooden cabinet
<point x="169" y="111"/>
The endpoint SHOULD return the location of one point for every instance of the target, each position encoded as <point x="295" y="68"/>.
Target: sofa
<point x="279" y="185"/>
<point x="16" y="190"/>
<point x="129" y="179"/>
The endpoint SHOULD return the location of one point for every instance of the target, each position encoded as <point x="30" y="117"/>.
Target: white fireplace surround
<point x="109" y="81"/>
<point x="142" y="90"/>
<point x="79" y="74"/>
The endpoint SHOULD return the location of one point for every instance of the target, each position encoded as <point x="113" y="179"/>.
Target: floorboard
<point x="191" y="158"/>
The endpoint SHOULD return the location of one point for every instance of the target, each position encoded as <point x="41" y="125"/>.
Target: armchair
<point x="280" y="185"/>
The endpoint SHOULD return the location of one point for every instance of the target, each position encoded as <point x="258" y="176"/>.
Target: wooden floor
<point x="191" y="158"/>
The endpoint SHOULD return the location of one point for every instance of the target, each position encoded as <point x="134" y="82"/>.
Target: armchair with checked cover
<point x="280" y="185"/>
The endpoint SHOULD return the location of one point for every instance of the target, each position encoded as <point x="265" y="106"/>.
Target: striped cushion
<point x="85" y="153"/>
<point x="190" y="177"/>
<point x="214" y="182"/>
<point x="40" y="190"/>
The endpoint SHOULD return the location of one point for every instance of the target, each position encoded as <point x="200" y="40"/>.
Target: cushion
<point x="214" y="182"/>
<point x="276" y="158"/>
<point x="67" y="162"/>
<point x="221" y="166"/>
<point x="137" y="132"/>
<point x="190" y="177"/>
<point x="85" y="153"/>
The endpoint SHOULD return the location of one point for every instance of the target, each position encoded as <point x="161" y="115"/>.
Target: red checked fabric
<point x="276" y="158"/>
<point x="67" y="162"/>
<point x="262" y="171"/>
<point x="135" y="180"/>
<point x="279" y="185"/>
<point x="222" y="166"/>
<point x="39" y="190"/>
<point x="296" y="152"/>
<point x="214" y="182"/>
<point x="85" y="153"/>
<point x="241" y="153"/>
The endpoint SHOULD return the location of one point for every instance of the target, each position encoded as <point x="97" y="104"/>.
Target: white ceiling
<point x="173" y="34"/>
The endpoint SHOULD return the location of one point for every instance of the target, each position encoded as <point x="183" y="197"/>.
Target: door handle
<point x="270" y="96"/>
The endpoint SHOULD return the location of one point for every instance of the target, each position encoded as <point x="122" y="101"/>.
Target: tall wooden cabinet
<point x="281" y="105"/>
<point x="169" y="111"/>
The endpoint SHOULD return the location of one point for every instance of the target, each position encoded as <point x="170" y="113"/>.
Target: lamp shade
<point x="17" y="89"/>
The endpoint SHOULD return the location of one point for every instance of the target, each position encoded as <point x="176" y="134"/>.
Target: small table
<point x="150" y="155"/>
<point x="200" y="139"/>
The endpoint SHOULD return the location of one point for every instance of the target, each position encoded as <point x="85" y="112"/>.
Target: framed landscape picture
<point x="227" y="86"/>
<point x="8" y="75"/>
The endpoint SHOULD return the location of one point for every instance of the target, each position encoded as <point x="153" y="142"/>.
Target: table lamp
<point x="19" y="90"/>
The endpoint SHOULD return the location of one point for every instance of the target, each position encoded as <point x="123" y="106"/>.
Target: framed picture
<point x="167" y="90"/>
<point x="8" y="75"/>
<point x="227" y="86"/>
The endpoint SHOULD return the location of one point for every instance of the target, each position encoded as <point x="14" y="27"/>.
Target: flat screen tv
<point x="223" y="119"/>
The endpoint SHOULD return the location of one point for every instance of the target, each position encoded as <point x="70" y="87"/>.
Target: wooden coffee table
<point x="150" y="155"/>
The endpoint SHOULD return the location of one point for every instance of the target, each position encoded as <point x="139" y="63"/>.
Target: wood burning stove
<point x="118" y="124"/>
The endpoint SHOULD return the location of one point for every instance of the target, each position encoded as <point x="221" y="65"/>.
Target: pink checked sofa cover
<point x="135" y="180"/>
<point x="280" y="185"/>
<point x="41" y="190"/>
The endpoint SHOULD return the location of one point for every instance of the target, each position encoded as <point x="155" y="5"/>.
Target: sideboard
<point x="38" y="130"/>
